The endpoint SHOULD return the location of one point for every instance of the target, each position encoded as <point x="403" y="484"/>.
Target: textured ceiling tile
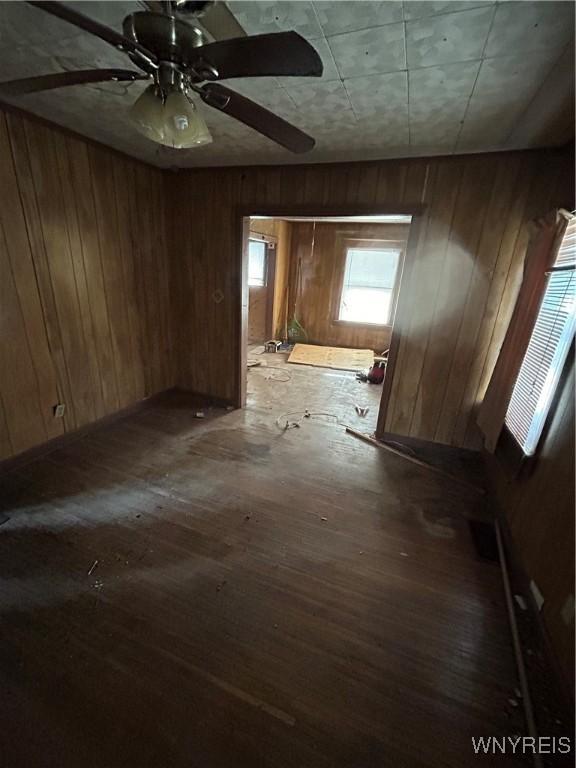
<point x="528" y="26"/>
<point x="328" y="98"/>
<point x="330" y="71"/>
<point x="390" y="129"/>
<point x="267" y="93"/>
<point x="438" y="111"/>
<point x="338" y="17"/>
<point x="436" y="124"/>
<point x="444" y="136"/>
<point x="449" y="81"/>
<point x="382" y="123"/>
<point x="510" y="79"/>
<point x="263" y="16"/>
<point x="370" y="52"/>
<point x="110" y="13"/>
<point x="22" y="24"/>
<point x="488" y="130"/>
<point x="414" y="9"/>
<point x="447" y="39"/>
<point x="377" y="93"/>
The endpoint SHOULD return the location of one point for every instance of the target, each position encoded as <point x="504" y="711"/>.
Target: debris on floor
<point x="361" y="410"/>
<point x="199" y="415"/>
<point x="93" y="566"/>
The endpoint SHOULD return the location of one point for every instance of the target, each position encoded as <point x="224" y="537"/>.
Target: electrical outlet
<point x="59" y="411"/>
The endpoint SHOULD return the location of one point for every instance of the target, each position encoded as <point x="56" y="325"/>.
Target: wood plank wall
<point x="84" y="306"/>
<point x="314" y="293"/>
<point x="458" y="291"/>
<point x="282" y="231"/>
<point x="540" y="507"/>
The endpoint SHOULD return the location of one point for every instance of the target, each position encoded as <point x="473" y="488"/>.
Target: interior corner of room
<point x="287" y="437"/>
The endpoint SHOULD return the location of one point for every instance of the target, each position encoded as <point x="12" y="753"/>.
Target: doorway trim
<point x="242" y="214"/>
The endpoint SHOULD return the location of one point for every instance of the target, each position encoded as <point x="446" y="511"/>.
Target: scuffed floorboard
<point x="294" y="599"/>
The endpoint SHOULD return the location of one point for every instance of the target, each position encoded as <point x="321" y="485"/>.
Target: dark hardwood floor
<point x="183" y="593"/>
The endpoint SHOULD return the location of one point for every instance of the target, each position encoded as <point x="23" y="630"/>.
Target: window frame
<point x="260" y="239"/>
<point x="509" y="450"/>
<point x="368" y="244"/>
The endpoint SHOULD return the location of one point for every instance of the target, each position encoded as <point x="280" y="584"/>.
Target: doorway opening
<point x="322" y="297"/>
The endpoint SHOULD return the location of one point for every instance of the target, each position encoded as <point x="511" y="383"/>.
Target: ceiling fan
<point x="177" y="57"/>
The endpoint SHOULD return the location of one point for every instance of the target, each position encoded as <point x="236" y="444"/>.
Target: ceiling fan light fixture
<point x="184" y="126"/>
<point x="147" y="114"/>
<point x="174" y="121"/>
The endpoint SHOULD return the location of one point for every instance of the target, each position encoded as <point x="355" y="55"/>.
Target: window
<point x="547" y="349"/>
<point x="256" y="262"/>
<point x="369" y="283"/>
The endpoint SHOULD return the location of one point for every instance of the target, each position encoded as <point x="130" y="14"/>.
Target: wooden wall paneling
<point x="152" y="298"/>
<point x="54" y="227"/>
<point x="443" y="312"/>
<point x="368" y="186"/>
<point x="405" y="408"/>
<point x="6" y="447"/>
<point x="76" y="252"/>
<point x="123" y="192"/>
<point x="82" y="184"/>
<point x="160" y="270"/>
<point x="17" y="377"/>
<point x="283" y="252"/>
<point x="23" y="271"/>
<point x="433" y="183"/>
<point x="539" y="506"/>
<point x="538" y="200"/>
<point x="145" y="319"/>
<point x="321" y="276"/>
<point x="30" y="211"/>
<point x="487" y="342"/>
<point x="454" y="299"/>
<point x="280" y="230"/>
<point x="415" y="189"/>
<point x="75" y="243"/>
<point x="314" y="181"/>
<point x="415" y="184"/>
<point x="469" y="358"/>
<point x="391" y="182"/>
<point x="101" y="166"/>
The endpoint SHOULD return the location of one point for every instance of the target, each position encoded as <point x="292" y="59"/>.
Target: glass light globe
<point x="184" y="126"/>
<point x="147" y="114"/>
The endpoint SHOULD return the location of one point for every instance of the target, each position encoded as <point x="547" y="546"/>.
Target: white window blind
<point x="547" y="349"/>
<point x="256" y="262"/>
<point x="369" y="278"/>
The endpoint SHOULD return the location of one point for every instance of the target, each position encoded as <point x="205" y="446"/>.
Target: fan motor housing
<point x="169" y="38"/>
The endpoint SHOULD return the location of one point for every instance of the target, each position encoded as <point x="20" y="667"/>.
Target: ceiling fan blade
<point x="276" y="54"/>
<point x="255" y="116"/>
<point x="220" y="23"/>
<point x="96" y="28"/>
<point x="62" y="79"/>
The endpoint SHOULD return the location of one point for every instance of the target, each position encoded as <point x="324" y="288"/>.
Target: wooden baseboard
<point x="521" y="582"/>
<point x="15" y="462"/>
<point x="418" y="442"/>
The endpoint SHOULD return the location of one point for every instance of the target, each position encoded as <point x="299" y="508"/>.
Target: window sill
<point x="375" y="326"/>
